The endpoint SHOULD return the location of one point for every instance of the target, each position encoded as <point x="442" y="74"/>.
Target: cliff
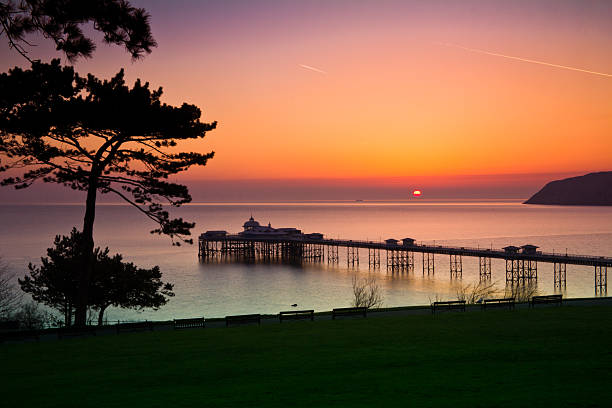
<point x="590" y="189"/>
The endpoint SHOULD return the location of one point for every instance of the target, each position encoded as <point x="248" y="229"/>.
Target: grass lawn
<point x="551" y="356"/>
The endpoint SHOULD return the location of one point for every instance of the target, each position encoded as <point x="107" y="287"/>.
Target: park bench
<point x="558" y="299"/>
<point x="193" y="323"/>
<point x="242" y="319"/>
<point x="72" y="332"/>
<point x="349" y="311"/>
<point x="134" y="327"/>
<point x="499" y="302"/>
<point x="296" y="315"/>
<point x="448" y="305"/>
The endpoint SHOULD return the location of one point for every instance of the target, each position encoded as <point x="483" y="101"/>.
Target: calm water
<point x="218" y="290"/>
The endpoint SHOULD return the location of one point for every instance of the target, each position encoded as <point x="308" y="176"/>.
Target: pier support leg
<point x="456" y="266"/>
<point x="530" y="269"/>
<point x="250" y="251"/>
<point x="332" y="254"/>
<point x="512" y="270"/>
<point x="484" y="268"/>
<point x="352" y="257"/>
<point x="428" y="263"/>
<point x="374" y="257"/>
<point x="559" y="275"/>
<point x="410" y="261"/>
<point x="601" y="279"/>
<point x="392" y="260"/>
<point x="401" y="260"/>
<point x="268" y="251"/>
<point x="313" y="252"/>
<point x="521" y="270"/>
<point x="208" y="249"/>
<point x="307" y="253"/>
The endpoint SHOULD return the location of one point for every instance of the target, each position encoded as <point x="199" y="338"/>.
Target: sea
<point x="220" y="289"/>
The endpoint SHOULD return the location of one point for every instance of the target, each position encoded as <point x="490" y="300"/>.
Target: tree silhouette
<point x="54" y="283"/>
<point x="98" y="136"/>
<point x="61" y="20"/>
<point x="113" y="282"/>
<point x="122" y="284"/>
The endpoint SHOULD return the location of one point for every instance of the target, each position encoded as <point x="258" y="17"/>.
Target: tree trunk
<point x="101" y="315"/>
<point x="80" y="318"/>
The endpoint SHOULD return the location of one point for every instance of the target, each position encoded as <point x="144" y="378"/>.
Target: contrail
<point x="312" y="68"/>
<point x="526" y="60"/>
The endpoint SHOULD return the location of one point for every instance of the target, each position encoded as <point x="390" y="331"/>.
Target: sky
<point x="372" y="99"/>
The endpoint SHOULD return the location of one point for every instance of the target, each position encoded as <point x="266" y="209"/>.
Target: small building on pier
<point x="213" y="234"/>
<point x="529" y="249"/>
<point x="511" y="249"/>
<point x="288" y="231"/>
<point x="408" y="241"/>
<point x="391" y="241"/>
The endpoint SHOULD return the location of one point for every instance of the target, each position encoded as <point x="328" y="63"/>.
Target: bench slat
<point x="296" y="315"/>
<point x="498" y="302"/>
<point x="448" y="305"/>
<point x="546" y="299"/>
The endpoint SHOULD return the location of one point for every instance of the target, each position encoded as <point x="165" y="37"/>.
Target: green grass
<point x="543" y="357"/>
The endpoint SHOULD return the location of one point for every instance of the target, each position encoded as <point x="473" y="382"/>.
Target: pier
<point x="521" y="265"/>
<point x="289" y="245"/>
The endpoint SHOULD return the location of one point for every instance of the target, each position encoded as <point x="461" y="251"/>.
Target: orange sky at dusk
<point x="394" y="100"/>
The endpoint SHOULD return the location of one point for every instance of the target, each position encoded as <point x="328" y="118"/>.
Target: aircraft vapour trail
<point x="526" y="60"/>
<point x="312" y="68"/>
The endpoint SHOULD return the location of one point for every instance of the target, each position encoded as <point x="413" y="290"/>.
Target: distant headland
<point x="590" y="189"/>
